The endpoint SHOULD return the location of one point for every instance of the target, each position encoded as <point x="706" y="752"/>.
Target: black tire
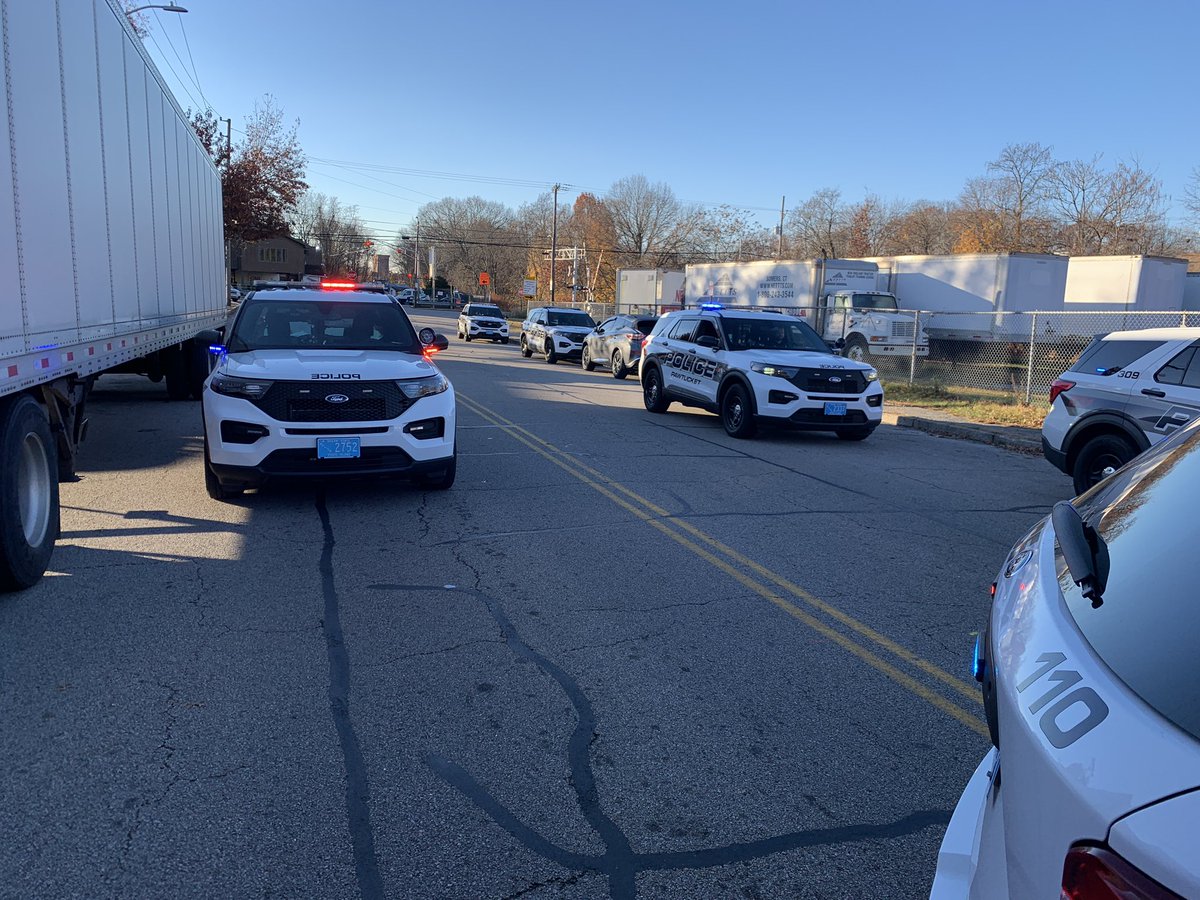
<point x="1099" y="457"/>
<point x="856" y="349"/>
<point x="551" y="356"/>
<point x="212" y="484"/>
<point x="858" y="433"/>
<point x="446" y="479"/>
<point x="504" y="340"/>
<point x="653" y="395"/>
<point x="467" y="338"/>
<point x="619" y="369"/>
<point x="585" y="359"/>
<point x="28" y="493"/>
<point x="737" y="415"/>
<point x="525" y="351"/>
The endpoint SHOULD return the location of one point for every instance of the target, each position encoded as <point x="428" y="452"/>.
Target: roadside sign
<point x="484" y="279"/>
<point x="530" y="289"/>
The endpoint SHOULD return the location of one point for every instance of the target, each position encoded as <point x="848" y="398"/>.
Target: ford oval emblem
<point x="834" y="379"/>
<point x="336" y="398"/>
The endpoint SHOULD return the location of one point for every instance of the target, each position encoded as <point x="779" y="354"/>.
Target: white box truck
<point x="649" y="290"/>
<point x="111" y="247"/>
<point x="839" y="297"/>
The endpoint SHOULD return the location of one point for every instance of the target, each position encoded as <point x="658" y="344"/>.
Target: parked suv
<point x="617" y="343"/>
<point x="1127" y="391"/>
<point x="555" y="332"/>
<point x="751" y="367"/>
<point x="320" y="382"/>
<point x="482" y="320"/>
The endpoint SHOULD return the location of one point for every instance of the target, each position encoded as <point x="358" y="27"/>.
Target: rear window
<point x="645" y="326"/>
<point x="1145" y="631"/>
<point x="1103" y="357"/>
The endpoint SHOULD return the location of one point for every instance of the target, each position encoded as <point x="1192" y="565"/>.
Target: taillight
<point x="1096" y="873"/>
<point x="1060" y="385"/>
<point x="635" y="336"/>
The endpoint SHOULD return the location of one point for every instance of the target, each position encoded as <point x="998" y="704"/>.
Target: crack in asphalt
<point x="358" y="794"/>
<point x="620" y="864"/>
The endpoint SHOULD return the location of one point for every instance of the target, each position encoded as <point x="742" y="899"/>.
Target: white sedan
<point x="1092" y="695"/>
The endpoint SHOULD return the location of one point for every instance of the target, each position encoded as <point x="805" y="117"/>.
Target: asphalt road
<point x="625" y="655"/>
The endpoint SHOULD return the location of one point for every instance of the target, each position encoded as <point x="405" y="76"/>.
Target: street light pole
<point x="169" y="7"/>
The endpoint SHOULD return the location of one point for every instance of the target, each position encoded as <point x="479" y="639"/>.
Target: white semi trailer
<point x="111" y="248"/>
<point x="839" y="297"/>
<point x="648" y="290"/>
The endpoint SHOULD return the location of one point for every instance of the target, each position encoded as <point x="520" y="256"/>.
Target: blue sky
<point x="726" y="102"/>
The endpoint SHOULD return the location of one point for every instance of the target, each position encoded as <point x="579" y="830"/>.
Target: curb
<point x="996" y="435"/>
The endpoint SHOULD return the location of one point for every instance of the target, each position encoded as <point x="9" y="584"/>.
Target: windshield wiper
<point x="1083" y="549"/>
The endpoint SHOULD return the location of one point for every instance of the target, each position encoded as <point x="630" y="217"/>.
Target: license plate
<point x="339" y="448"/>
<point x="835" y="409"/>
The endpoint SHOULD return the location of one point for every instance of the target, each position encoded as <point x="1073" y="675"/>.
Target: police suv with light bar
<point x="322" y="381"/>
<point x="754" y="367"/>
<point x="1091" y="790"/>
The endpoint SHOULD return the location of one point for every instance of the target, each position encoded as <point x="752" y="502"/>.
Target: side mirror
<point x="708" y="341"/>
<point x="839" y="344"/>
<point x="431" y="340"/>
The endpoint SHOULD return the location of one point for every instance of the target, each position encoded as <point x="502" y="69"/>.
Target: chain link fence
<point x="1017" y="355"/>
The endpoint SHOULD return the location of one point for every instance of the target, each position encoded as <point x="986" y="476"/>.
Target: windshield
<point x="338" y="325"/>
<point x="770" y="334"/>
<point x="1145" y="630"/>
<point x="873" y="301"/>
<point x="575" y="319"/>
<point x="477" y="310"/>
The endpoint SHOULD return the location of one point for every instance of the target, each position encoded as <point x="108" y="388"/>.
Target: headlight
<point x="567" y="338"/>
<point x="423" y="387"/>
<point x="871" y="375"/>
<point x="788" y="372"/>
<point x="239" y="387"/>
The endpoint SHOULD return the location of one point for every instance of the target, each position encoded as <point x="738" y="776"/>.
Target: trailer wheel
<point x="28" y="493"/>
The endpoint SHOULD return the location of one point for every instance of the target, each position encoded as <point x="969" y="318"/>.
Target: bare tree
<point x="336" y="230"/>
<point x="473" y="235"/>
<point x="924" y="228"/>
<point x="873" y="226"/>
<point x="651" y="225"/>
<point x="820" y="225"/>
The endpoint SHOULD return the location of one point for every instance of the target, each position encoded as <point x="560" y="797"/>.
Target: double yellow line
<point x="768" y="585"/>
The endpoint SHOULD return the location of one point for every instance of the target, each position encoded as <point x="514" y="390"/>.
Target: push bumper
<point x="302" y="464"/>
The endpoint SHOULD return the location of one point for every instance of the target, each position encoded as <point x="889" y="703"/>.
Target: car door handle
<point x="1153" y="392"/>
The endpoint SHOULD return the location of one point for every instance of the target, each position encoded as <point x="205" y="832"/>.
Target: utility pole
<point x="779" y="245"/>
<point x="417" y="260"/>
<point x="554" y="244"/>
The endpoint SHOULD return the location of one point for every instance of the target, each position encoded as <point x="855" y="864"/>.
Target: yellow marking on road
<point x="956" y="684"/>
<point x="608" y="488"/>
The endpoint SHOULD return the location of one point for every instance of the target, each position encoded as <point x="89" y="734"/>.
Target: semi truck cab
<point x="870" y="323"/>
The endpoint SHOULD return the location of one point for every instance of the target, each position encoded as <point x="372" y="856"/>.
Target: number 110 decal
<point x="1054" y="703"/>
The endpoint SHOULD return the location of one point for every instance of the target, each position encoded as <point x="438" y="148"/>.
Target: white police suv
<point x="324" y="381"/>
<point x="1127" y="391"/>
<point x="1092" y="697"/>
<point x="482" y="321"/>
<point x="555" y="332"/>
<point x="751" y="367"/>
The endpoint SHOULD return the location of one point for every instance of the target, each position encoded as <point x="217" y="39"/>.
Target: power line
<point x="182" y="64"/>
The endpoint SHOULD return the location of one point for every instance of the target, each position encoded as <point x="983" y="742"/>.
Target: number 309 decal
<point x="1055" y="702"/>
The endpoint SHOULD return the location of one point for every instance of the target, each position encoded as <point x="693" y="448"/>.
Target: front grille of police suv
<point x="817" y="381"/>
<point x="304" y="401"/>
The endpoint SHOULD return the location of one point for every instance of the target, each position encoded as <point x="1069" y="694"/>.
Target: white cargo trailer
<point x="839" y="297"/>
<point x="1125" y="284"/>
<point x="648" y="290"/>
<point x="959" y="289"/>
<point x="111" y="247"/>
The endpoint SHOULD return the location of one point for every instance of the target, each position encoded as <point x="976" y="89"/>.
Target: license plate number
<point x="835" y="409"/>
<point x="339" y="448"/>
